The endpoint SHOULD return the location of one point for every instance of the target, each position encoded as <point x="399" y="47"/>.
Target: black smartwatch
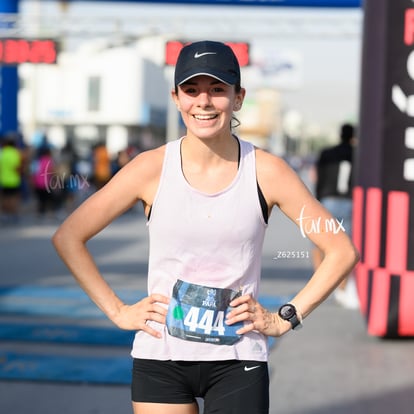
<point x="289" y="313"/>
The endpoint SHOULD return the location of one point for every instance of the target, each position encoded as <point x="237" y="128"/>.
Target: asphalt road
<point x="331" y="366"/>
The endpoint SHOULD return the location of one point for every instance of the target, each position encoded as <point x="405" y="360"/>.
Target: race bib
<point x="197" y="313"/>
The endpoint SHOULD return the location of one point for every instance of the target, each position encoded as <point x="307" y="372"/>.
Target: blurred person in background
<point x="334" y="183"/>
<point x="44" y="182"/>
<point x="70" y="181"/>
<point x="11" y="163"/>
<point x="102" y="167"/>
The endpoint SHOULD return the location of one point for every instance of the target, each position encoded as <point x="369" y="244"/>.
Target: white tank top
<point x="206" y="239"/>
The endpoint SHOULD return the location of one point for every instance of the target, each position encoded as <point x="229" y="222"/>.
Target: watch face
<point x="286" y="312"/>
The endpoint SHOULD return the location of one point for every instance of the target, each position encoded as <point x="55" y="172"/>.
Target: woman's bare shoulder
<point x="147" y="164"/>
<point x="151" y="157"/>
<point x="268" y="163"/>
<point x="278" y="181"/>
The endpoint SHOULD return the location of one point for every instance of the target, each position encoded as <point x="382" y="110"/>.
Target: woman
<point x="201" y="331"/>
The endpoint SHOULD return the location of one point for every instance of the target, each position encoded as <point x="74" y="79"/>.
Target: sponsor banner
<point x="384" y="193"/>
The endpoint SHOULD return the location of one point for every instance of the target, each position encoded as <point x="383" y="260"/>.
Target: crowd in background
<point x="49" y="182"/>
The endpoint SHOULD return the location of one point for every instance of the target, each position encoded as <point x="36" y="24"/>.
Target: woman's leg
<point x="164" y="387"/>
<point x="155" y="408"/>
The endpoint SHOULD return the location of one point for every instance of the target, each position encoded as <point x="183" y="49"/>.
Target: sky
<point x="311" y="56"/>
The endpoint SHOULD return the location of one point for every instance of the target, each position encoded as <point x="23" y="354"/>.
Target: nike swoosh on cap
<point x="198" y="55"/>
<point x="251" y="368"/>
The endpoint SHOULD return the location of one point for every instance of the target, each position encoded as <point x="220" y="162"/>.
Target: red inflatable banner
<point x="383" y="224"/>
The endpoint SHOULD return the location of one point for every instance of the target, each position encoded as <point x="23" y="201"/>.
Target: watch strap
<point x="295" y="321"/>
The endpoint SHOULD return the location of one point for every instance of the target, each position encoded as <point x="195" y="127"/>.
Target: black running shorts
<point x="227" y="387"/>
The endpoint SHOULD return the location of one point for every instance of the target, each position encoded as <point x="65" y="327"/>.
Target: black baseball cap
<point x="207" y="58"/>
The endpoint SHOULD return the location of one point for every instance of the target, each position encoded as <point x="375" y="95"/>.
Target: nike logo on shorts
<point x="251" y="368"/>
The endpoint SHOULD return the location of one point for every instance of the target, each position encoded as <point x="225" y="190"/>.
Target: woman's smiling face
<point x="206" y="105"/>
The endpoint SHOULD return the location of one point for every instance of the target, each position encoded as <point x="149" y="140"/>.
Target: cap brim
<point x="224" y="79"/>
